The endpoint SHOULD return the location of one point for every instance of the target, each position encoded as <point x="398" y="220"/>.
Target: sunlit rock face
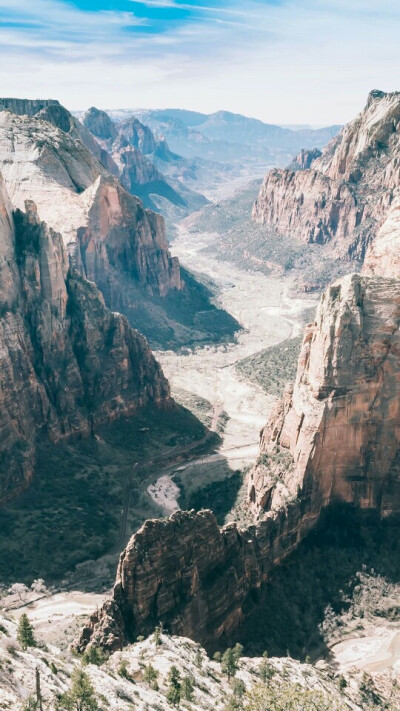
<point x="67" y="363"/>
<point x="43" y="158"/>
<point x="198" y="579"/>
<point x="341" y="420"/>
<point x="345" y="195"/>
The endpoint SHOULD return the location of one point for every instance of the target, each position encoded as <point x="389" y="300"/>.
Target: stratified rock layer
<point x="67" y="363"/>
<point x="196" y="578"/>
<point x="345" y="195"/>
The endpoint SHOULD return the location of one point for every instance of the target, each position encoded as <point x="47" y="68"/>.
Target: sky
<point x="283" y="61"/>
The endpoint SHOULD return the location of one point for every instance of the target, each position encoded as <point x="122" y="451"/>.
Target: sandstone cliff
<point x="196" y="578"/>
<point x="67" y="364"/>
<point x="344" y="197"/>
<point x="335" y="437"/>
<point x="341" y="420"/>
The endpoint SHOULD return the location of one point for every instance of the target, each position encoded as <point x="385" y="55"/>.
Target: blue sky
<point x="284" y="61"/>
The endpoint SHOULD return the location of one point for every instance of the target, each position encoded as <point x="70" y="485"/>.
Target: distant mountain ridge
<point x="225" y="136"/>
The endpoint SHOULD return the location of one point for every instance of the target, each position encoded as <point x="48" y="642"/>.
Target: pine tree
<point x="238" y="651"/>
<point x="81" y="697"/>
<point x="187" y="688"/>
<point x="157" y="636"/>
<point x="25" y="635"/>
<point x="229" y="662"/>
<point x="150" y="676"/>
<point x="174" y="689"/>
<point x="238" y="688"/>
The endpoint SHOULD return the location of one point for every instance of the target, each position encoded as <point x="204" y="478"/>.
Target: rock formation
<point x="341" y="420"/>
<point x="100" y="124"/>
<point x="304" y="159"/>
<point x="196" y="578"/>
<point x="67" y="363"/>
<point x="43" y="163"/>
<point x="345" y="195"/>
<point x="341" y="425"/>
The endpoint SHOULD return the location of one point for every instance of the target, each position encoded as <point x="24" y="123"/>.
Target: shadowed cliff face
<point x="67" y="364"/>
<point x="344" y="196"/>
<point x="198" y="579"/>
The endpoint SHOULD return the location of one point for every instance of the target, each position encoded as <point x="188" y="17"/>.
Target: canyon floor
<point x="269" y="311"/>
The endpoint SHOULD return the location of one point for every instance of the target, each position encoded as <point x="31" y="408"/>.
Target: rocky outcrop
<point x="197" y="579"/>
<point x="67" y="363"/>
<point x="304" y="159"/>
<point x="341" y="420"/>
<point x="344" y="197"/>
<point x="43" y="163"/>
<point x="99" y="124"/>
<point x="138" y="135"/>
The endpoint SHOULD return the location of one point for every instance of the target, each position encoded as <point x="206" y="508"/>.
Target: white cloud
<point x="305" y="61"/>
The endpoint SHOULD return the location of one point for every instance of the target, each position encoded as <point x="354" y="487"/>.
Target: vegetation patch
<point x="272" y="367"/>
<point x="72" y="510"/>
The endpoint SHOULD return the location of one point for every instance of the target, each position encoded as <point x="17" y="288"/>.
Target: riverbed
<point x="269" y="310"/>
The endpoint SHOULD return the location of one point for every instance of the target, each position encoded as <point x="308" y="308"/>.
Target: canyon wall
<point x="335" y="436"/>
<point x="342" y="197"/>
<point x="42" y="162"/>
<point x="67" y="363"/>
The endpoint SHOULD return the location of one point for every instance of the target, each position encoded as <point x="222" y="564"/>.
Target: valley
<point x="237" y="476"/>
<point x="270" y="310"/>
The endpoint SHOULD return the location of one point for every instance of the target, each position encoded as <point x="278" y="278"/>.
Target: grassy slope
<point x="272" y="367"/>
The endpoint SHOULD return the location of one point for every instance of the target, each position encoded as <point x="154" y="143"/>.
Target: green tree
<point x="229" y="663"/>
<point x="238" y="651"/>
<point x="174" y="688"/>
<point x="123" y="668"/>
<point x="238" y="688"/>
<point x="157" y="636"/>
<point x="289" y="697"/>
<point x="266" y="671"/>
<point x="150" y="676"/>
<point x="217" y="657"/>
<point x="187" y="688"/>
<point x="94" y="655"/>
<point x="25" y="635"/>
<point x="81" y="696"/>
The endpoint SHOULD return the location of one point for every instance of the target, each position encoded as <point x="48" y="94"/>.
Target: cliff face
<point x="344" y="197"/>
<point x="43" y="163"/>
<point x="67" y="364"/>
<point x="341" y="420"/>
<point x="196" y="578"/>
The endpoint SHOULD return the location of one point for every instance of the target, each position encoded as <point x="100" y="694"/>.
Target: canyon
<point x="49" y="157"/>
<point x="332" y="438"/>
